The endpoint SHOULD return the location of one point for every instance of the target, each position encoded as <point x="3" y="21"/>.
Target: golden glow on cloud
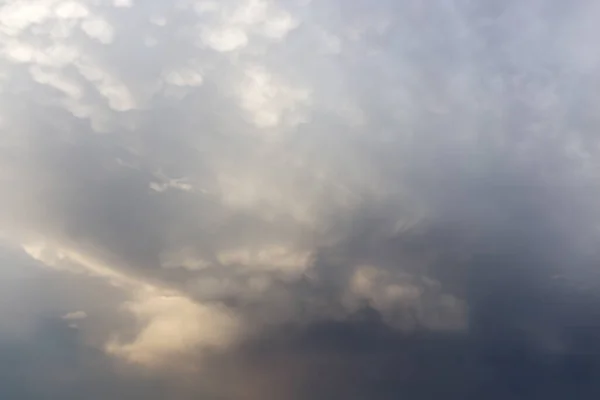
<point x="171" y="324"/>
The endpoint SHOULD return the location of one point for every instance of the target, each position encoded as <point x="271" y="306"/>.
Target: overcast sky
<point x="299" y="199"/>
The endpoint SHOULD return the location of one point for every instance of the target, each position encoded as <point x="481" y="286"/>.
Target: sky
<point x="299" y="199"/>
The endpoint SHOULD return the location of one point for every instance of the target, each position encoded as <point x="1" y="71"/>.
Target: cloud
<point x="184" y="77"/>
<point x="123" y="3"/>
<point x="225" y="39"/>
<point x="175" y="325"/>
<point x="266" y="100"/>
<point x="252" y="199"/>
<point x="71" y="10"/>
<point x="171" y="322"/>
<point x="98" y="29"/>
<point x="75" y="315"/>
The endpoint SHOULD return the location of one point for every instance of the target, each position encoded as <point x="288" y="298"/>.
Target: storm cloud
<point x="296" y="199"/>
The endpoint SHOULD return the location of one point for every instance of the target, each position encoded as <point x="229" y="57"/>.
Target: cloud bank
<point x="297" y="199"/>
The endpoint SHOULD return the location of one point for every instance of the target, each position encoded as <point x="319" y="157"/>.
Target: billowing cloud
<point x="291" y="199"/>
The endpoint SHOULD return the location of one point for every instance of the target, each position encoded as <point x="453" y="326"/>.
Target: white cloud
<point x="58" y="81"/>
<point x="174" y="326"/>
<point x="278" y="26"/>
<point x="268" y="100"/>
<point x="249" y="12"/>
<point x="276" y="258"/>
<point x="224" y="39"/>
<point x="19" y="52"/>
<point x="184" y="77"/>
<point x="119" y="96"/>
<point x="16" y="16"/>
<point x="57" y="55"/>
<point x="399" y="296"/>
<point x="173" y="184"/>
<point x="98" y="29"/>
<point x="171" y="324"/>
<point x="123" y="3"/>
<point x="68" y="260"/>
<point x="232" y="30"/>
<point x="71" y="10"/>
<point x="75" y="316"/>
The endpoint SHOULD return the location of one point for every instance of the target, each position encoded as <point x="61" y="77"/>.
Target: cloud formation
<point x="296" y="199"/>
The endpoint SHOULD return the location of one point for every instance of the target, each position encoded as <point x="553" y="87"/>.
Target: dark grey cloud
<point x="296" y="199"/>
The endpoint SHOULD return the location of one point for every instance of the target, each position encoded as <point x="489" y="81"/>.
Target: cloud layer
<point x="296" y="199"/>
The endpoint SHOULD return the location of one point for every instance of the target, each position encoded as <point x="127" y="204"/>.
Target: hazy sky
<point x="299" y="200"/>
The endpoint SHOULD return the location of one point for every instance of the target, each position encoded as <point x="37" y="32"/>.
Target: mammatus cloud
<point x="295" y="199"/>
